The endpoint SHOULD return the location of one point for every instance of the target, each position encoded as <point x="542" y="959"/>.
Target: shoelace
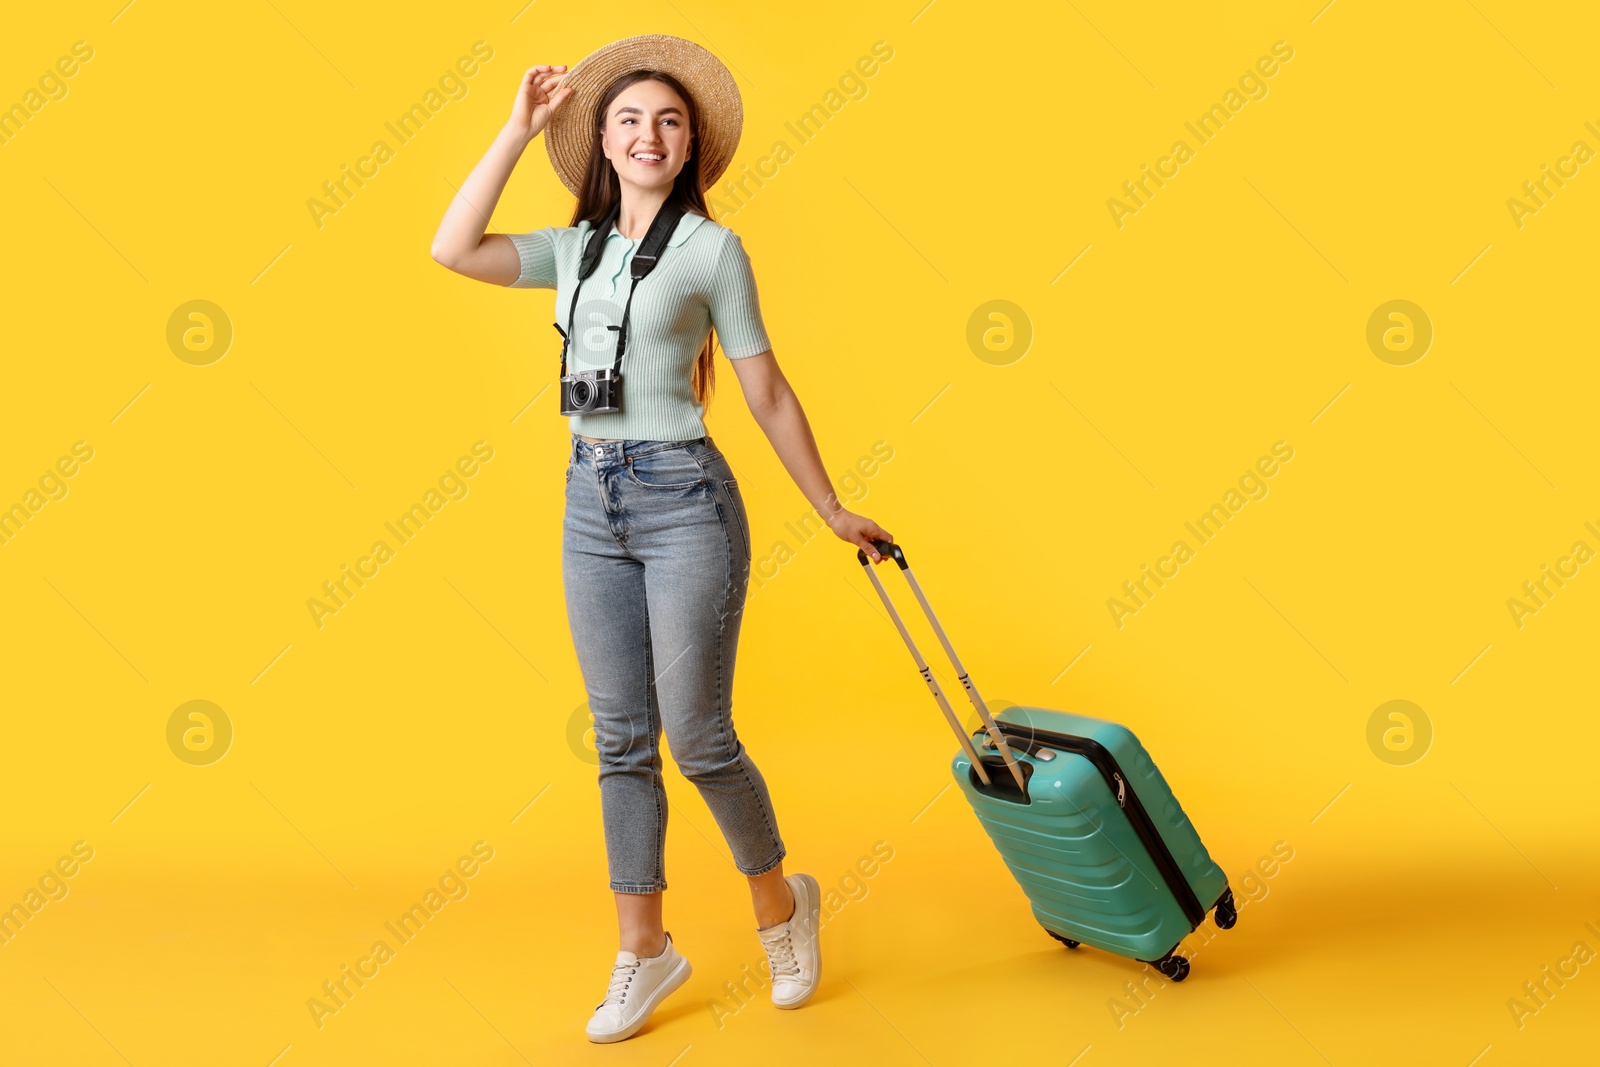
<point x="621" y="976"/>
<point x="780" y="951"/>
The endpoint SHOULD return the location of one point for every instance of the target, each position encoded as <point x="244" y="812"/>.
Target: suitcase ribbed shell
<point x="1076" y="854"/>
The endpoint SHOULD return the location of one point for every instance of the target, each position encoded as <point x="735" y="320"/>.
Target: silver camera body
<point x="591" y="392"/>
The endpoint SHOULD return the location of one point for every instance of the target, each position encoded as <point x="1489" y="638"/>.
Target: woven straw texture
<point x="571" y="131"/>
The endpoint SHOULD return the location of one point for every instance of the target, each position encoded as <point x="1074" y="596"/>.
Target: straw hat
<point x="570" y="133"/>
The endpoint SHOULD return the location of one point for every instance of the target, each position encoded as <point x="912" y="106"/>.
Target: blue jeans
<point x="655" y="560"/>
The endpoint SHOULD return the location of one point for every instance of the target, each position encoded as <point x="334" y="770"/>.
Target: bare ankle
<point x="784" y="913"/>
<point x="646" y="947"/>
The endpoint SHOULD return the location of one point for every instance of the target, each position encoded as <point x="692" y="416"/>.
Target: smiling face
<point x="646" y="135"/>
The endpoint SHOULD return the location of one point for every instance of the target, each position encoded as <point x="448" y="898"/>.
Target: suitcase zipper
<point x="1031" y="738"/>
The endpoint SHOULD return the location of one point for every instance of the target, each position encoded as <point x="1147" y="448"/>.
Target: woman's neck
<point x="639" y="208"/>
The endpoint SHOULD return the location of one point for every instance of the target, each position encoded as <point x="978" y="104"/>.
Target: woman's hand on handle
<point x="538" y="97"/>
<point x="859" y="531"/>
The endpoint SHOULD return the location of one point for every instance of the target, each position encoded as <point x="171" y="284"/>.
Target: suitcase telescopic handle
<point x="894" y="552"/>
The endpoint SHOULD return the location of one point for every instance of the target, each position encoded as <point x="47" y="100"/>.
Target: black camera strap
<point x="644" y="261"/>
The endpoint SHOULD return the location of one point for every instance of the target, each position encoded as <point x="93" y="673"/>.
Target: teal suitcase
<point x="1081" y="816"/>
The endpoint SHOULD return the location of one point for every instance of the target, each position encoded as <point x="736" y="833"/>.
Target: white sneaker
<point x="637" y="986"/>
<point x="793" y="947"/>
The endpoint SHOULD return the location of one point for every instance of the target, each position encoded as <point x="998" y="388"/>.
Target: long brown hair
<point x="600" y="195"/>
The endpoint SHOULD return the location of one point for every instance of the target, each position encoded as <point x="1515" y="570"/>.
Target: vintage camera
<point x="591" y="392"/>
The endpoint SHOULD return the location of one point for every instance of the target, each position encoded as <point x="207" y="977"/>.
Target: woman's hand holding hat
<point x="538" y="97"/>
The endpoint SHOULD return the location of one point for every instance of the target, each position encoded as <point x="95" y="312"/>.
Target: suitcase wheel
<point x="1225" y="914"/>
<point x="1064" y="940"/>
<point x="1174" y="967"/>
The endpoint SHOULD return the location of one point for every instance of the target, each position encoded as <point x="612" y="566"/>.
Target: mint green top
<point x="703" y="280"/>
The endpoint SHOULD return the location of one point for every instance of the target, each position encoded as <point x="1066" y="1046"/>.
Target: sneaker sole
<point x="680" y="974"/>
<point x="815" y="914"/>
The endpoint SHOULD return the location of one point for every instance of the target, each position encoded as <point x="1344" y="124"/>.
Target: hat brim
<point x="569" y="135"/>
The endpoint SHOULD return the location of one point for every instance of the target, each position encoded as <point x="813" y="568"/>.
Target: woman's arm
<point x="461" y="243"/>
<point x="777" y="410"/>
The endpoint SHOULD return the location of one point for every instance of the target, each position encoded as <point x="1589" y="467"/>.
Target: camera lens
<point x="582" y="393"/>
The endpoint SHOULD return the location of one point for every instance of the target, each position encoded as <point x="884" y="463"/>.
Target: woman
<point x="656" y="545"/>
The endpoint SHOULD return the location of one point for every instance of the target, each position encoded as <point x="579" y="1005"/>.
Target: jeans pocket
<point x="667" y="470"/>
<point x="739" y="518"/>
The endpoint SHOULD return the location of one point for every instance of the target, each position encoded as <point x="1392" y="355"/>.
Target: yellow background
<point x="1229" y="313"/>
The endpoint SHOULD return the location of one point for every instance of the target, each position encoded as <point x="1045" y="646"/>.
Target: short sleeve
<point x="735" y="308"/>
<point x="536" y="252"/>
